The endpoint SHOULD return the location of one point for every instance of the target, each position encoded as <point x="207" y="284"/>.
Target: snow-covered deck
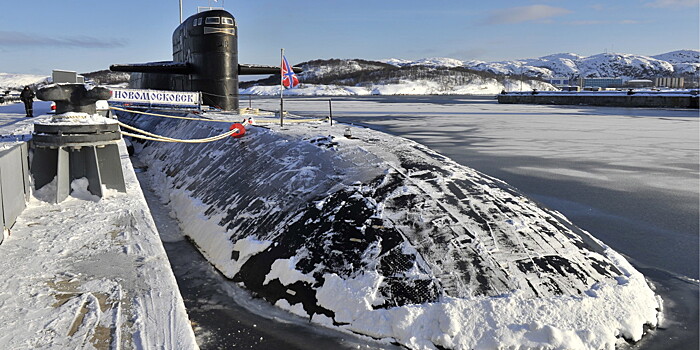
<point x="87" y="273"/>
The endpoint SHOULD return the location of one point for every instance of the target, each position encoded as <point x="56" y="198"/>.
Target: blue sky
<point x="37" y="36"/>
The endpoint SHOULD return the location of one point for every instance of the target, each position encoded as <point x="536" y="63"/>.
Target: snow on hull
<point x="381" y="236"/>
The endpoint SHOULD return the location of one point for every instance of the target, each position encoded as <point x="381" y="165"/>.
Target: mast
<point x="281" y="89"/>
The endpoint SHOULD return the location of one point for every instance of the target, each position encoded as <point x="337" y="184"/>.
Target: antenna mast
<point x="180" y="11"/>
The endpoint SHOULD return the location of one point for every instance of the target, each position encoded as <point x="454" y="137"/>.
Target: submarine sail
<point x="205" y="58"/>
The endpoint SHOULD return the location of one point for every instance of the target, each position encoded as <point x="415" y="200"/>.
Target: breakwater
<point x="687" y="99"/>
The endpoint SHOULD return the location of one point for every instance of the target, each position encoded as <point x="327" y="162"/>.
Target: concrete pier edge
<point x="144" y="307"/>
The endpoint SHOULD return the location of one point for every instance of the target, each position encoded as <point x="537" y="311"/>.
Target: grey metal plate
<point x="75" y="129"/>
<point x="12" y="182"/>
<point x="75" y="139"/>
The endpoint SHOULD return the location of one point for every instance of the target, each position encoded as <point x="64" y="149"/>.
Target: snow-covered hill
<point x="683" y="61"/>
<point x="441" y="75"/>
<point x="429" y="62"/>
<point x="676" y="63"/>
<point x="430" y="76"/>
<point x="17" y="81"/>
<point x="406" y="87"/>
<point x="337" y="69"/>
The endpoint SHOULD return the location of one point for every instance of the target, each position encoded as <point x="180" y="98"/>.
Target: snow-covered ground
<point x="408" y="87"/>
<point x="235" y="221"/>
<point x="86" y="273"/>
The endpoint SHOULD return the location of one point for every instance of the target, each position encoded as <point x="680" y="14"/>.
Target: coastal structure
<point x="629" y="98"/>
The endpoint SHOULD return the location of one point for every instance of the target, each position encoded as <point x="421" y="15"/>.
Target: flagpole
<point x="281" y="89"/>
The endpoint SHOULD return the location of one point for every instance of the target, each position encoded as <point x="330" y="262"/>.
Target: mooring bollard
<point x="76" y="142"/>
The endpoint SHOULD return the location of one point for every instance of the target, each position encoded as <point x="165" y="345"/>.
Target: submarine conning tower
<point x="205" y="59"/>
<point x="209" y="41"/>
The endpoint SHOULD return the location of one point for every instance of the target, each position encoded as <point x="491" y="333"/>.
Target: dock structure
<point x="87" y="272"/>
<point x="648" y="99"/>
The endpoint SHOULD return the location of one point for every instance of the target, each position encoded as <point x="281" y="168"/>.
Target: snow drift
<point x="383" y="237"/>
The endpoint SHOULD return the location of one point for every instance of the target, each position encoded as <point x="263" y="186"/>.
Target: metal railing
<point x="201" y="9"/>
<point x="9" y="99"/>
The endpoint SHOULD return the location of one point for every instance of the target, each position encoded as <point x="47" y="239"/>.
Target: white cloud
<point x="15" y="39"/>
<point x="525" y="14"/>
<point x="599" y="22"/>
<point x="672" y="3"/>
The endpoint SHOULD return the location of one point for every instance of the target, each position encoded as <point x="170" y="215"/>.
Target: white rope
<point x="256" y="121"/>
<point x="154" y="137"/>
<point x="270" y="121"/>
<point x="143" y="137"/>
<point x="172" y="116"/>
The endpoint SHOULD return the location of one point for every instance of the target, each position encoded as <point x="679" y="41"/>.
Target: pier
<point x="88" y="271"/>
<point x="649" y="99"/>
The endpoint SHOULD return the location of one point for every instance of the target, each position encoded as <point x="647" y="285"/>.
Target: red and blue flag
<point x="289" y="79"/>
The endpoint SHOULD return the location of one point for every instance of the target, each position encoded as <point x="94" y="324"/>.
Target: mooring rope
<point x="171" y="116"/>
<point x="219" y="137"/>
<point x="145" y="135"/>
<point x="271" y="121"/>
<point x="153" y="137"/>
<point x="256" y="121"/>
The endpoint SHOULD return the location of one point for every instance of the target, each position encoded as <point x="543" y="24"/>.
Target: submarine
<point x="205" y="59"/>
<point x="382" y="237"/>
<point x="375" y="234"/>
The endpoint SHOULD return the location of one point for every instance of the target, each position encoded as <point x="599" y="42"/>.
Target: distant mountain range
<point x="672" y="64"/>
<point x="447" y="75"/>
<point x="364" y="77"/>
<point x="450" y="72"/>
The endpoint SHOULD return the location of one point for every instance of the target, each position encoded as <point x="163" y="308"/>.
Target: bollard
<point x="76" y="142"/>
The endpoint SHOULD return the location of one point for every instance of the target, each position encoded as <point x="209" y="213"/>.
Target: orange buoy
<point x="240" y="132"/>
